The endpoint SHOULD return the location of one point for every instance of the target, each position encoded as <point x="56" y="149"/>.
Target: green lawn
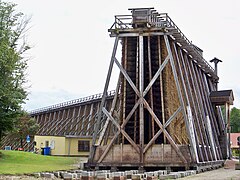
<point x="18" y="162"/>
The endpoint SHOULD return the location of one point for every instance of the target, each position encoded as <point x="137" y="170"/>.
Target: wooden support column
<point x="209" y="117"/>
<point x="150" y="77"/>
<point x="194" y="103"/>
<point x="141" y="89"/>
<point x="124" y="86"/>
<point x="227" y="113"/>
<point x="111" y="113"/>
<point x="199" y="108"/>
<point x="77" y="119"/>
<point x="193" y="153"/>
<point x="50" y="123"/>
<point x="215" y="128"/>
<point x="59" y="118"/>
<point x="204" y="110"/>
<point x="189" y="112"/>
<point x="47" y="121"/>
<point x="89" y="119"/>
<point x="97" y="125"/>
<point x="83" y="120"/>
<point x="63" y="123"/>
<point x="161" y="86"/>
<point x="73" y="118"/>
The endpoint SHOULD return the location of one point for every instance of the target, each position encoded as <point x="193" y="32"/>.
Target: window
<point x="46" y="143"/>
<point x="83" y="146"/>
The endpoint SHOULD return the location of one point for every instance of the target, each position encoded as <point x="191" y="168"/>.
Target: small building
<point x="64" y="145"/>
<point x="67" y="128"/>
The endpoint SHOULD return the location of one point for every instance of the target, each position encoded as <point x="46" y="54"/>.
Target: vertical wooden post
<point x="150" y="91"/>
<point x="227" y="112"/>
<point x="141" y="89"/>
<point x="161" y="88"/>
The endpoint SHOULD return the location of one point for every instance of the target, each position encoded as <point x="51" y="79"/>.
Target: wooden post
<point x="193" y="153"/>
<point x="96" y="127"/>
<point x="141" y="89"/>
<point x="150" y="77"/>
<point x="227" y="112"/>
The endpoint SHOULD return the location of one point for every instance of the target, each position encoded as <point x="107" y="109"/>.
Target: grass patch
<point x="19" y="162"/>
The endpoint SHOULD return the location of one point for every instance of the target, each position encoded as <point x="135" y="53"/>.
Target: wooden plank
<point x="131" y="113"/>
<point x="161" y="86"/>
<point x="96" y="127"/>
<point x="203" y="110"/>
<point x="151" y="92"/>
<point x="171" y="141"/>
<point x="141" y="88"/>
<point x="102" y="133"/>
<point x="89" y="119"/>
<point x="77" y="119"/>
<point x="160" y="131"/>
<point x="157" y="74"/>
<point x="198" y="105"/>
<point x="215" y="128"/>
<point x="192" y="130"/>
<point x="194" y="103"/>
<point x="50" y="125"/>
<point x="206" y="109"/>
<point x="193" y="154"/>
<point x="120" y="129"/>
<point x="108" y="147"/>
<point x="123" y="71"/>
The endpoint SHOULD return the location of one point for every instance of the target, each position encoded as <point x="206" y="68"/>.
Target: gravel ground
<point x="226" y="173"/>
<point x="218" y="174"/>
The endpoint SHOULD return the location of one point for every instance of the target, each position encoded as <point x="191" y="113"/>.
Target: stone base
<point x="237" y="166"/>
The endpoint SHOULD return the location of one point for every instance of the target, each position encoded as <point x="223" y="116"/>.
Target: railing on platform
<point x="153" y="19"/>
<point x="72" y="102"/>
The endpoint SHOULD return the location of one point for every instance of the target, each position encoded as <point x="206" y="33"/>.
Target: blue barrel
<point x="47" y="151"/>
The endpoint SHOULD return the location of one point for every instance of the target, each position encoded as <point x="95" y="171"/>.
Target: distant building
<point x="65" y="128"/>
<point x="233" y="140"/>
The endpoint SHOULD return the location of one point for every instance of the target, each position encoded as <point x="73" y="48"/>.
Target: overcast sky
<point x="72" y="48"/>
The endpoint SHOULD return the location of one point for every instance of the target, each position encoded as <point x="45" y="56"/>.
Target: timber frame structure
<point x="163" y="115"/>
<point x="165" y="111"/>
<point x="75" y="118"/>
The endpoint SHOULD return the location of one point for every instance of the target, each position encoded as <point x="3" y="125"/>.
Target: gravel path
<point x="218" y="174"/>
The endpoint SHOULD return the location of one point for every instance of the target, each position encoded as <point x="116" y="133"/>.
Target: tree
<point x="235" y="120"/>
<point x="13" y="26"/>
<point x="25" y="126"/>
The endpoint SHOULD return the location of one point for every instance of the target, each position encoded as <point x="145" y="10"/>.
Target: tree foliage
<point x="25" y="126"/>
<point x="235" y="120"/>
<point x="13" y="26"/>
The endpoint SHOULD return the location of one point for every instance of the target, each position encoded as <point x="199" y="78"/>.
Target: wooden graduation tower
<point x="161" y="115"/>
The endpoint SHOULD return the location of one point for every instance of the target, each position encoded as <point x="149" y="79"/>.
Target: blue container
<point x="47" y="151"/>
